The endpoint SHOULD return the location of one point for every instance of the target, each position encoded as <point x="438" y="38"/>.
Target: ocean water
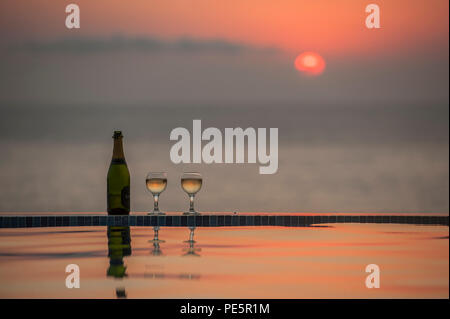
<point x="385" y="157"/>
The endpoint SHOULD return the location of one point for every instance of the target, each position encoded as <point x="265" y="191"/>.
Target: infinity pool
<point x="317" y="261"/>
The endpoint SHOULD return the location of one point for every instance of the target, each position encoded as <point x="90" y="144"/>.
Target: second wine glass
<point x="156" y="183"/>
<point x="191" y="183"/>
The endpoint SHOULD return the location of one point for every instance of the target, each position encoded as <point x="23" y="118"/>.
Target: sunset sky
<point x="410" y="50"/>
<point x="329" y="27"/>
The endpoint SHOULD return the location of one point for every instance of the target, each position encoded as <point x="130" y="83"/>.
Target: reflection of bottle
<point x="118" y="180"/>
<point x="119" y="246"/>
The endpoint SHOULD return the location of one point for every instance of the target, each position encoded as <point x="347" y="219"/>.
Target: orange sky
<point x="329" y="27"/>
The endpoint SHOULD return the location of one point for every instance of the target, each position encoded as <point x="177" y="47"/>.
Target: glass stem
<point x="156" y="207"/>
<point x="191" y="203"/>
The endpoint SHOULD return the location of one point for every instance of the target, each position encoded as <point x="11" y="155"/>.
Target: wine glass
<point x="156" y="183"/>
<point x="191" y="183"/>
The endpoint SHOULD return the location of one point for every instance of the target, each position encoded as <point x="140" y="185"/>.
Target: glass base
<point x="156" y="213"/>
<point x="191" y="213"/>
<point x="156" y="241"/>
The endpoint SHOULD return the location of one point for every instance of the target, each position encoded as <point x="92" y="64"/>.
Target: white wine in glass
<point x="156" y="183"/>
<point x="191" y="183"/>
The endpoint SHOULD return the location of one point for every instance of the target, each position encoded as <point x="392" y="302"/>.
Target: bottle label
<point x="125" y="196"/>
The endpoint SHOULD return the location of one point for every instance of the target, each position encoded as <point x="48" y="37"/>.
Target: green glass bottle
<point x="118" y="180"/>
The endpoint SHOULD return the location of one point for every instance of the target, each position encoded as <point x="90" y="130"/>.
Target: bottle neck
<point x="118" y="150"/>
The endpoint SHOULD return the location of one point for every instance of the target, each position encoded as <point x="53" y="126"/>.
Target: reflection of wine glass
<point x="156" y="184"/>
<point x="191" y="184"/>
<point x="156" y="236"/>
<point x="156" y="251"/>
<point x="191" y="250"/>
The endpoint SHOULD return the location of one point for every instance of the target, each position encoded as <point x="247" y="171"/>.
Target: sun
<point x="310" y="63"/>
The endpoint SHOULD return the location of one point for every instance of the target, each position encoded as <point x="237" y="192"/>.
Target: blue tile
<point x="36" y="221"/>
<point x="235" y="220"/>
<point x="417" y="220"/>
<point x="183" y="221"/>
<point x="110" y="220"/>
<point x="279" y="220"/>
<point x="286" y="221"/>
<point x="73" y="220"/>
<point x="213" y="220"/>
<point x="176" y="220"/>
<point x="65" y="221"/>
<point x="272" y="220"/>
<point x="29" y="221"/>
<point x="44" y="221"/>
<point x="22" y="221"/>
<point x="265" y="220"/>
<point x="301" y="220"/>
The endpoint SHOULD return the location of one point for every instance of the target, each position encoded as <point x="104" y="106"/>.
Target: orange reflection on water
<point x="229" y="262"/>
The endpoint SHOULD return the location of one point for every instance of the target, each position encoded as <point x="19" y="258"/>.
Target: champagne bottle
<point x="118" y="180"/>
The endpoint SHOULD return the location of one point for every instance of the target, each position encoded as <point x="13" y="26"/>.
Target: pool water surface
<point x="322" y="261"/>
